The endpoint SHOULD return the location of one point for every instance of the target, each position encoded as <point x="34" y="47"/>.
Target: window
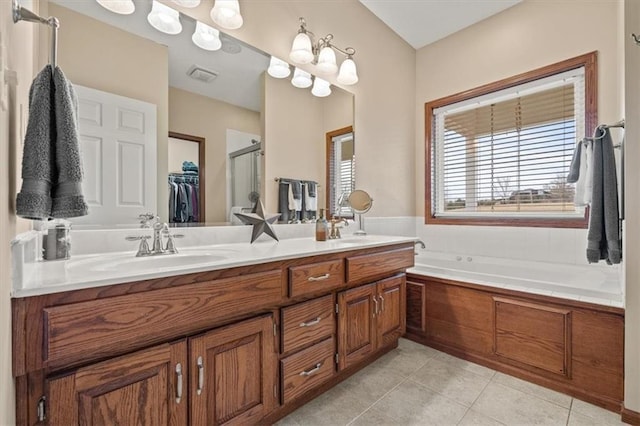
<point x="341" y="177"/>
<point x="499" y="154"/>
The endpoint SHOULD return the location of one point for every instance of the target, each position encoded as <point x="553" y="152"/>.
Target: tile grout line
<point x="531" y="393"/>
<point x="570" y="409"/>
<point x="376" y="401"/>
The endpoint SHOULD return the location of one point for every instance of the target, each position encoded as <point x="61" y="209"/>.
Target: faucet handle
<point x="143" y="249"/>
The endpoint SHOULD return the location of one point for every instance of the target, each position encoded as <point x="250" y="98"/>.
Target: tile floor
<point x="417" y="385"/>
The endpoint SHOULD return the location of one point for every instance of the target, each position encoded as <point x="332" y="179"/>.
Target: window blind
<point x="508" y="153"/>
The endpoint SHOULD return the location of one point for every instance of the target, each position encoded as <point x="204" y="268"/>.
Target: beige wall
<point x="632" y="208"/>
<point x="18" y="39"/>
<point x="198" y="115"/>
<point x="296" y="123"/>
<point x="527" y="36"/>
<point x="384" y="96"/>
<point x="105" y="58"/>
<point x="181" y="150"/>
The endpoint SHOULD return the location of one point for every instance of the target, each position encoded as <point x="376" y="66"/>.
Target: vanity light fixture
<point x="278" y="68"/>
<point x="187" y="3"/>
<point x="226" y="13"/>
<point x="301" y="79"/>
<point x="321" y="88"/>
<point x="206" y="37"/>
<point x="122" y="7"/>
<point x="322" y="53"/>
<point x="164" y="19"/>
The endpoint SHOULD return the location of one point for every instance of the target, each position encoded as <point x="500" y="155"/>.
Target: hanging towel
<point x="310" y="201"/>
<point x="51" y="162"/>
<point x="580" y="172"/>
<point x="283" y="202"/>
<point x="296" y="190"/>
<point x="312" y="189"/>
<point x="603" y="240"/>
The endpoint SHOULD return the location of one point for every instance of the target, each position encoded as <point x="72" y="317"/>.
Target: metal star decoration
<point x="261" y="222"/>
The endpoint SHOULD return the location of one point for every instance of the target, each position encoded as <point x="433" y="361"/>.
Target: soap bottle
<point x="322" y="229"/>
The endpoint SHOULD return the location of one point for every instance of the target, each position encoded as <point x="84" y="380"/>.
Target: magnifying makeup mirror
<point x="361" y="203"/>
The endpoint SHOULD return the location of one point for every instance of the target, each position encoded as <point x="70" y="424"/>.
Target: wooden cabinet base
<point x="572" y="347"/>
<point x="630" y="417"/>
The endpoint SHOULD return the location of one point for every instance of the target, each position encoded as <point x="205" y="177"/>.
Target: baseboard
<point x="630" y="417"/>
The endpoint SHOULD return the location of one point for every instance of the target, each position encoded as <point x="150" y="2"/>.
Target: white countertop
<point x="79" y="272"/>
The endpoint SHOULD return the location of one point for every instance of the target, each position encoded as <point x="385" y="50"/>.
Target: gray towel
<point x="296" y="188"/>
<point x="574" y="168"/>
<point x="51" y="162"/>
<point x="603" y="240"/>
<point x="312" y="189"/>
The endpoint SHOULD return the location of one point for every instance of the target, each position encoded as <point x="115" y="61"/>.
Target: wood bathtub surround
<point x="242" y="345"/>
<point x="570" y="346"/>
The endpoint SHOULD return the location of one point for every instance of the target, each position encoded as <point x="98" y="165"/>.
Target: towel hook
<point x="19" y="13"/>
<point x="635" y="38"/>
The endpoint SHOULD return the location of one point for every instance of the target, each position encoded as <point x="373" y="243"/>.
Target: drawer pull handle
<point x="179" y="383"/>
<point x="310" y="323"/>
<point x="319" y="277"/>
<point x="381" y="303"/>
<point x="313" y="371"/>
<point x="375" y="306"/>
<point x="200" y="364"/>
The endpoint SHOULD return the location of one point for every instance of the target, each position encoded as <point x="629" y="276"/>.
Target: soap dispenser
<point x="322" y="229"/>
<point x="56" y="242"/>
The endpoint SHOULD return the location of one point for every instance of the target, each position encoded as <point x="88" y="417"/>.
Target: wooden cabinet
<point x="232" y="374"/>
<point x="243" y="345"/>
<point x="146" y="387"/>
<point x="566" y="345"/>
<point x="369" y="318"/>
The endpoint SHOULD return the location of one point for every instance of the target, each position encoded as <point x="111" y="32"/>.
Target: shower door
<point x="245" y="176"/>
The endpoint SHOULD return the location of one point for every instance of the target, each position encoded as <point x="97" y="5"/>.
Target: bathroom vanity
<point x="246" y="343"/>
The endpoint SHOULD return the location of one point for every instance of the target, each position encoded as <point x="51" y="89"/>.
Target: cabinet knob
<point x="200" y="364"/>
<point x="310" y="323"/>
<point x="313" y="371"/>
<point x="319" y="277"/>
<point x="178" y="383"/>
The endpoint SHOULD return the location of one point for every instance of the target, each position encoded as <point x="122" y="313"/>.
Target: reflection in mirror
<point x="341" y="179"/>
<point x="125" y="56"/>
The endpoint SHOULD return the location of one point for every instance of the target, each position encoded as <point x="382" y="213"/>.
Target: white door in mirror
<point x="118" y="146"/>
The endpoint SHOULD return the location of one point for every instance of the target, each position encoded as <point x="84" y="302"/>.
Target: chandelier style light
<point x="322" y="53"/>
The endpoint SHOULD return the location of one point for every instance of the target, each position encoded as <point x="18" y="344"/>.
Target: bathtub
<point x="597" y="283"/>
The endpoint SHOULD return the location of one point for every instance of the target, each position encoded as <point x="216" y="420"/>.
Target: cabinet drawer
<point x="307" y="322"/>
<point x="315" y="277"/>
<point x="101" y="328"/>
<point x="375" y="265"/>
<point x="307" y="369"/>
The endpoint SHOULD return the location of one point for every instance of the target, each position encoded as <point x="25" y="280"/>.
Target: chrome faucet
<point x="421" y="244"/>
<point x="159" y="229"/>
<point x="334" y="233"/>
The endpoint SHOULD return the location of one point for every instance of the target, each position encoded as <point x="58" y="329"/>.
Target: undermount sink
<point x="158" y="262"/>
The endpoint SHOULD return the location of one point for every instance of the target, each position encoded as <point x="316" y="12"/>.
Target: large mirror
<point x="219" y="130"/>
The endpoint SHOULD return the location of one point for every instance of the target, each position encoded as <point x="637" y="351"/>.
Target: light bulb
<point x="348" y="74"/>
<point x="206" y="37"/>
<point x="164" y="19"/>
<point x="278" y="68"/>
<point x="123" y="7"/>
<point x="327" y="61"/>
<point x="226" y="13"/>
<point x="301" y="52"/>
<point x="301" y="79"/>
<point x="321" y="88"/>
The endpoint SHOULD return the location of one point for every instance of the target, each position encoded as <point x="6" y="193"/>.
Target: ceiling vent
<point x="201" y="74"/>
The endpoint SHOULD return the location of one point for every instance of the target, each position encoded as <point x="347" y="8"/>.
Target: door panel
<point x="233" y="373"/>
<point x="391" y="316"/>
<point x="140" y="388"/>
<point x="357" y="331"/>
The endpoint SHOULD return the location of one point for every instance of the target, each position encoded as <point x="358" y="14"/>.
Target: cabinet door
<point x="391" y="310"/>
<point x="144" y="388"/>
<point x="356" y="324"/>
<point x="233" y="372"/>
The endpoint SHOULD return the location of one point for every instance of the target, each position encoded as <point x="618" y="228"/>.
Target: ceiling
<point x="238" y="80"/>
<point x="421" y="22"/>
